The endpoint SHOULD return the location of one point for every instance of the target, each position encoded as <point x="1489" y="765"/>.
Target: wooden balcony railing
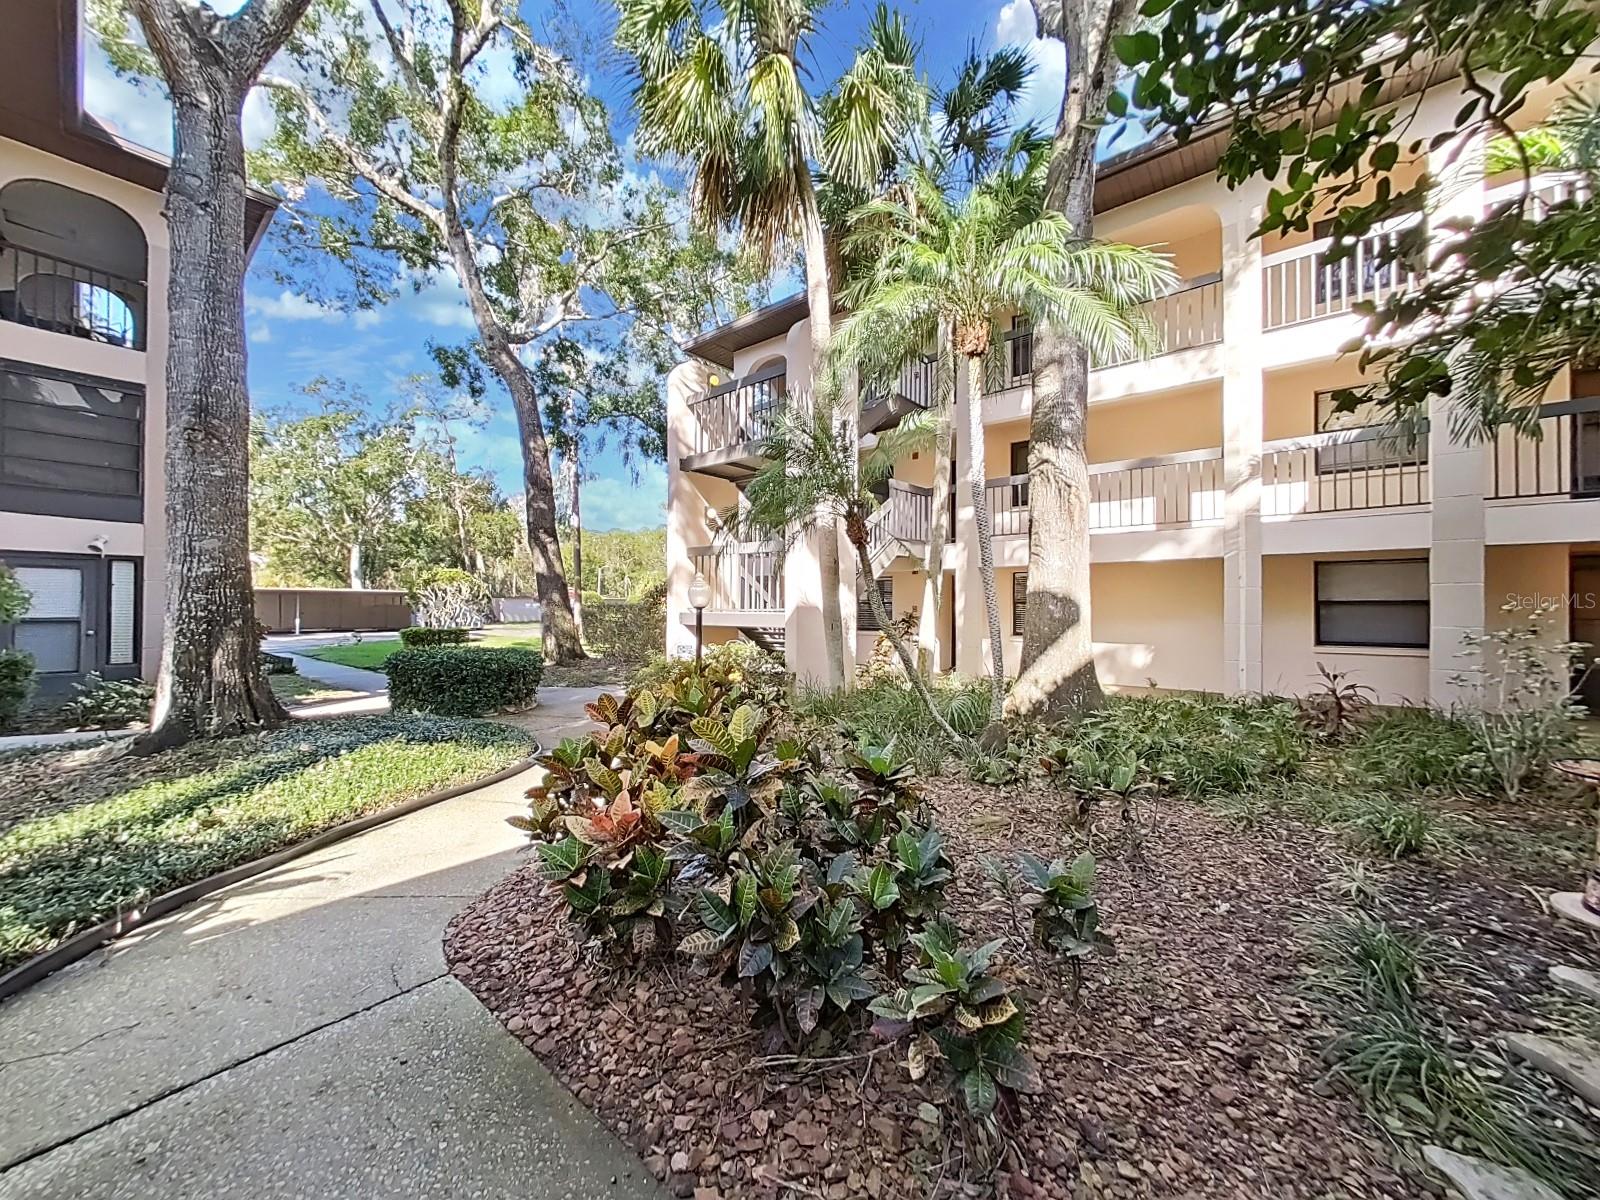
<point x="903" y="521"/>
<point x="740" y="411"/>
<point x="1188" y="316"/>
<point x="917" y="382"/>
<point x="65" y="297"/>
<point x="744" y="576"/>
<point x="1143" y="493"/>
<point x="1345" y="471"/>
<point x="1304" y="284"/>
<point x="1564" y="460"/>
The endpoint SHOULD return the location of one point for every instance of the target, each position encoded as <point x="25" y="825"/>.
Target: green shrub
<point x="632" y="632"/>
<point x="14" y="598"/>
<point x="886" y="711"/>
<point x="463" y="681"/>
<point x="419" y="636"/>
<point x="278" y="664"/>
<point x="16" y="683"/>
<point x="109" y="703"/>
<point x="1393" y="826"/>
<point x="747" y="673"/>
<point x="1413" y="749"/>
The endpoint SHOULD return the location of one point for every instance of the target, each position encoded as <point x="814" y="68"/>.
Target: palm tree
<point x="723" y="88"/>
<point x="815" y="477"/>
<point x="959" y="267"/>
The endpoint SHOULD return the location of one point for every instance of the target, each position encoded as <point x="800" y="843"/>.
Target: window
<point x="52" y="628"/>
<point x="1373" y="603"/>
<point x="1021" y="341"/>
<point x="1381" y="451"/>
<point x="866" y="619"/>
<point x="70" y="445"/>
<point x="1019" y="466"/>
<point x="1019" y="600"/>
<point x="123" y="615"/>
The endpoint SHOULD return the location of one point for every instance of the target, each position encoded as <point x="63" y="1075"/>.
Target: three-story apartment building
<point x="83" y="302"/>
<point x="1242" y="532"/>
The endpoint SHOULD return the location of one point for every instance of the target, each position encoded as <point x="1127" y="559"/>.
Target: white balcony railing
<point x="1188" y="316"/>
<point x="744" y="576"/>
<point x="1344" y="471"/>
<point x="740" y="411"/>
<point x="1303" y="284"/>
<point x="1145" y="493"/>
<point x="903" y="522"/>
<point x="1564" y="460"/>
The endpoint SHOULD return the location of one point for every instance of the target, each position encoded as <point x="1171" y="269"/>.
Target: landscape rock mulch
<point x="1187" y="1068"/>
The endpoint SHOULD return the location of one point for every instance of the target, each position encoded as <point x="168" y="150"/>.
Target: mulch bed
<point x="1189" y="1067"/>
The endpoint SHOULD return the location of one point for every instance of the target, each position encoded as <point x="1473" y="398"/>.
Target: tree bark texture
<point x="577" y="543"/>
<point x="938" y="533"/>
<point x="982" y="519"/>
<point x="210" y="682"/>
<point x="819" y="304"/>
<point x="1058" y="677"/>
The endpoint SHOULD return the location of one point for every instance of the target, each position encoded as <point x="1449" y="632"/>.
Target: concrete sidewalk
<point x="298" y="1035"/>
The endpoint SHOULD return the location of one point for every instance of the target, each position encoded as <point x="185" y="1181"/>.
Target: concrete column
<point x="804" y="646"/>
<point x="1458" y="472"/>
<point x="972" y="623"/>
<point x="1242" y="401"/>
<point x="685" y="508"/>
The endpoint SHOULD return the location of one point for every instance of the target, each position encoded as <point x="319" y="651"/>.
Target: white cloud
<point x="1042" y="101"/>
<point x="291" y="306"/>
<point x="261" y="334"/>
<point x="440" y="301"/>
<point x="143" y="114"/>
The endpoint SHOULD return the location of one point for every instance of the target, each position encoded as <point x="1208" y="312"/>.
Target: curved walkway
<point x="299" y="1035"/>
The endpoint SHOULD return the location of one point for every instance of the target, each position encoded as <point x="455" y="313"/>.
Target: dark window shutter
<point x="1019" y="601"/>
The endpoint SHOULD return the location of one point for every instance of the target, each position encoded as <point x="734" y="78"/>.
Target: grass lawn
<point x="371" y="655"/>
<point x="297" y="689"/>
<point x="86" y="833"/>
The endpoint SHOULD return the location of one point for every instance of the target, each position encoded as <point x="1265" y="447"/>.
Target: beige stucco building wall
<point x="66" y="535"/>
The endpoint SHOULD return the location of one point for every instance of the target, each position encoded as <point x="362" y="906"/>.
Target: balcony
<point x="746" y="578"/>
<point x="730" y="423"/>
<point x="901" y="525"/>
<point x="1563" y="462"/>
<point x="1166" y="491"/>
<point x="1350" y="470"/>
<point x="1304" y="283"/>
<point x="915" y="389"/>
<point x="1185" y="318"/>
<point x="53" y="294"/>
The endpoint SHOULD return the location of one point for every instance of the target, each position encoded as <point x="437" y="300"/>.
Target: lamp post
<point x="699" y="597"/>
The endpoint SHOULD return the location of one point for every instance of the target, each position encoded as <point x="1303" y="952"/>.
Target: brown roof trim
<point x="758" y="325"/>
<point x="41" y="105"/>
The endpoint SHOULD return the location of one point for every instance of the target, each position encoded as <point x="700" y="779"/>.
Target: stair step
<point x="1480" y="1179"/>
<point x="1571" y="906"/>
<point x="1575" y="1063"/>
<point x="1583" y="984"/>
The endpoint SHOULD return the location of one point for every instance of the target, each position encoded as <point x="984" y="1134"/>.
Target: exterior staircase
<point x="901" y="525"/>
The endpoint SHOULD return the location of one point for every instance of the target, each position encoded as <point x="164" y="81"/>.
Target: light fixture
<point x="699" y="597"/>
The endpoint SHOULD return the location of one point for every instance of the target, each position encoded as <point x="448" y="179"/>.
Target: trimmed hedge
<point x="16" y="683"/>
<point x="421" y="636"/>
<point x="462" y="681"/>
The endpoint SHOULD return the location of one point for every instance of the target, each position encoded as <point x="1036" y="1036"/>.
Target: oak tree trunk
<point x="981" y="517"/>
<point x="1058" y="677"/>
<point x="560" y="627"/>
<point x="356" y="578"/>
<point x="210" y="682"/>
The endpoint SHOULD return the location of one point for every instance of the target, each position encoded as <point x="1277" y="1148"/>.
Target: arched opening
<point x="71" y="263"/>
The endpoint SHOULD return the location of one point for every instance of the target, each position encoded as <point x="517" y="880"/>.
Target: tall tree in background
<point x="453" y="140"/>
<point x="329" y="490"/>
<point x="1058" y="674"/>
<point x="961" y="268"/>
<point x="210" y="682"/>
<point x="724" y="88"/>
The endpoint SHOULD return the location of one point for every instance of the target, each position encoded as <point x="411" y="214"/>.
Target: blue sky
<point x="293" y="339"/>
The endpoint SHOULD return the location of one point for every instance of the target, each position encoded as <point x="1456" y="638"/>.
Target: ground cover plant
<point x="1146" y="888"/>
<point x="88" y="833"/>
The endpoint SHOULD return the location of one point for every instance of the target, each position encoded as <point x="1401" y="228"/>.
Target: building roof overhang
<point x="41" y="59"/>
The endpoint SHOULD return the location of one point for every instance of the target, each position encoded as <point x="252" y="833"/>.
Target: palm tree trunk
<point x="819" y="304"/>
<point x="981" y="517"/>
<point x="858" y="539"/>
<point x="939" y="523"/>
